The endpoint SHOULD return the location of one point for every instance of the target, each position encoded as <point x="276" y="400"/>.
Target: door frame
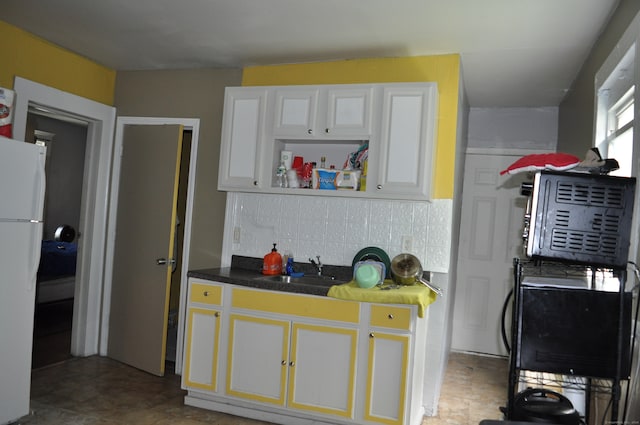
<point x="192" y="124"/>
<point x="93" y="214"/>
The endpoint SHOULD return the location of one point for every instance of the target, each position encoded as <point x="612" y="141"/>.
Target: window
<point x="615" y="115"/>
<point x="619" y="141"/>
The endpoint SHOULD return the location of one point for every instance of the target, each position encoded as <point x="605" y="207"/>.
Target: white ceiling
<point x="515" y="53"/>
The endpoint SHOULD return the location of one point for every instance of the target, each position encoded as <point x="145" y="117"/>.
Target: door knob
<point x="163" y="261"/>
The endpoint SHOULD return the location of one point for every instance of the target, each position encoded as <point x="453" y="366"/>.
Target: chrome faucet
<point x="317" y="265"/>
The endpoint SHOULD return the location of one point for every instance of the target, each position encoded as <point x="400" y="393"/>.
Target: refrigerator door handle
<point x="41" y="182"/>
<point x="36" y="239"/>
<point x="36" y="248"/>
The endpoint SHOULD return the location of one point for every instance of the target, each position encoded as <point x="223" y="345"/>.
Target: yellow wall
<point x="25" y="55"/>
<point x="445" y="70"/>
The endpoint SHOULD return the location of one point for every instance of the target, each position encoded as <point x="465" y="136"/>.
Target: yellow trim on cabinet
<point x="285" y="351"/>
<point x="353" y="333"/>
<point x="216" y="344"/>
<point x="205" y="293"/>
<point x="390" y="317"/>
<point x="296" y="305"/>
<point x="442" y="69"/>
<point x="404" y="341"/>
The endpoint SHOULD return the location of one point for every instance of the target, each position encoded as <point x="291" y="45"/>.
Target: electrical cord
<point x="505" y="340"/>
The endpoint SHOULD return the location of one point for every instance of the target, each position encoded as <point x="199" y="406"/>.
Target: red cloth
<point x="542" y="161"/>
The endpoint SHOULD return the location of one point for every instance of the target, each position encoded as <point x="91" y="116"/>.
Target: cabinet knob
<point x="283" y="363"/>
<point x="310" y="131"/>
<point x="292" y="363"/>
<point x="326" y="130"/>
<point x="371" y="335"/>
<point x="390" y="316"/>
<point x="205" y="293"/>
<point x="255" y="182"/>
<point x="379" y="186"/>
<point x="216" y="314"/>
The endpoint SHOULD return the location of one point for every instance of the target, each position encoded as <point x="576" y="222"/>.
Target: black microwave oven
<point x="580" y="218"/>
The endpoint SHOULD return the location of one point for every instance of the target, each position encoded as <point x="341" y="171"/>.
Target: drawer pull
<point x="390" y="316"/>
<point x="205" y="293"/>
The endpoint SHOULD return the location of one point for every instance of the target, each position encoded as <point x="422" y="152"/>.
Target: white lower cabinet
<point x="202" y="337"/>
<point x="257" y="358"/>
<point x="286" y="363"/>
<point x="303" y="359"/>
<point x="388" y="359"/>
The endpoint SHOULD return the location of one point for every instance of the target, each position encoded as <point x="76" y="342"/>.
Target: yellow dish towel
<point x="419" y="295"/>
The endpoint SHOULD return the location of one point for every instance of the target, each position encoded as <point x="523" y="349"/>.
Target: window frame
<point x="619" y="73"/>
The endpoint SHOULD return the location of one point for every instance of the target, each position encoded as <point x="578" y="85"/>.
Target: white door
<point x="143" y="250"/>
<point x="490" y="237"/>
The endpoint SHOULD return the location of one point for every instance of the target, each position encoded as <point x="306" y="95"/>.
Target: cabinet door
<point x="406" y="143"/>
<point x="322" y="379"/>
<point x="257" y="358"/>
<point x="201" y="354"/>
<point x="348" y="112"/>
<point x="242" y="132"/>
<point x="296" y="112"/>
<point x="387" y="378"/>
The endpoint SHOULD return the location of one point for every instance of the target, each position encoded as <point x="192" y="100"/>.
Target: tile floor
<point x="100" y="391"/>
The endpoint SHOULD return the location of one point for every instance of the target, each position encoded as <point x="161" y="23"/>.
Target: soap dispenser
<point x="272" y="264"/>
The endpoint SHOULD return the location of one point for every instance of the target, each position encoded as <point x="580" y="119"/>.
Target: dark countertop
<point x="247" y="271"/>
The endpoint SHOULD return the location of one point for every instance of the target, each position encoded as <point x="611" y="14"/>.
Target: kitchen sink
<point x="304" y="280"/>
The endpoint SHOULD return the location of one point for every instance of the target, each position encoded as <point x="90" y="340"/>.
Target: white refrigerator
<point x="22" y="186"/>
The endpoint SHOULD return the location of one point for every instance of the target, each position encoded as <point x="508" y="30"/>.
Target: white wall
<point x="337" y="228"/>
<point x="514" y="128"/>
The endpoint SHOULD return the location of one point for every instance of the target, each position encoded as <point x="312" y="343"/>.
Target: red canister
<point x="272" y="262"/>
<point x="307" y="171"/>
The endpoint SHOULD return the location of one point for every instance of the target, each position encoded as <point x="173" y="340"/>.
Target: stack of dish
<point x="370" y="267"/>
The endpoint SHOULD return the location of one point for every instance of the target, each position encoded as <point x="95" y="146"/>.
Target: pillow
<point x="542" y="161"/>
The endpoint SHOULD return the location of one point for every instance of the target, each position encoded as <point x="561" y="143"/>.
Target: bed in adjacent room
<point x="56" y="274"/>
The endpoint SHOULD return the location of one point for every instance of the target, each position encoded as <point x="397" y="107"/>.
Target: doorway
<point x="65" y="139"/>
<point x="91" y="298"/>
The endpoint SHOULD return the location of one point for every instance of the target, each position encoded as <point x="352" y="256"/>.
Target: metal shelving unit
<point x="540" y="310"/>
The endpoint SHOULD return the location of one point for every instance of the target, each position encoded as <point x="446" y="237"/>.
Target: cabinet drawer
<point x="391" y="317"/>
<point x="297" y="305"/>
<point x="206" y="294"/>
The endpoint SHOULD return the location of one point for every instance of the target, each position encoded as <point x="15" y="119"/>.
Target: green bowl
<point x="367" y="276"/>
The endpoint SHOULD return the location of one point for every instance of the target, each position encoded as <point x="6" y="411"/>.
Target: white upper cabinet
<point x="308" y="112"/>
<point x="407" y="140"/>
<point x="396" y="121"/>
<point x="242" y="135"/>
<point x="295" y="111"/>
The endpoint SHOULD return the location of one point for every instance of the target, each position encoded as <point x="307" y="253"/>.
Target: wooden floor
<point x="99" y="391"/>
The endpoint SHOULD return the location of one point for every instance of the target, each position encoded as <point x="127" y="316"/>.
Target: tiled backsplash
<point x="337" y="228"/>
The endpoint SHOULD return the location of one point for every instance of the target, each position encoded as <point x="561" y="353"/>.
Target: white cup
<point x="286" y="157"/>
<point x="292" y="178"/>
